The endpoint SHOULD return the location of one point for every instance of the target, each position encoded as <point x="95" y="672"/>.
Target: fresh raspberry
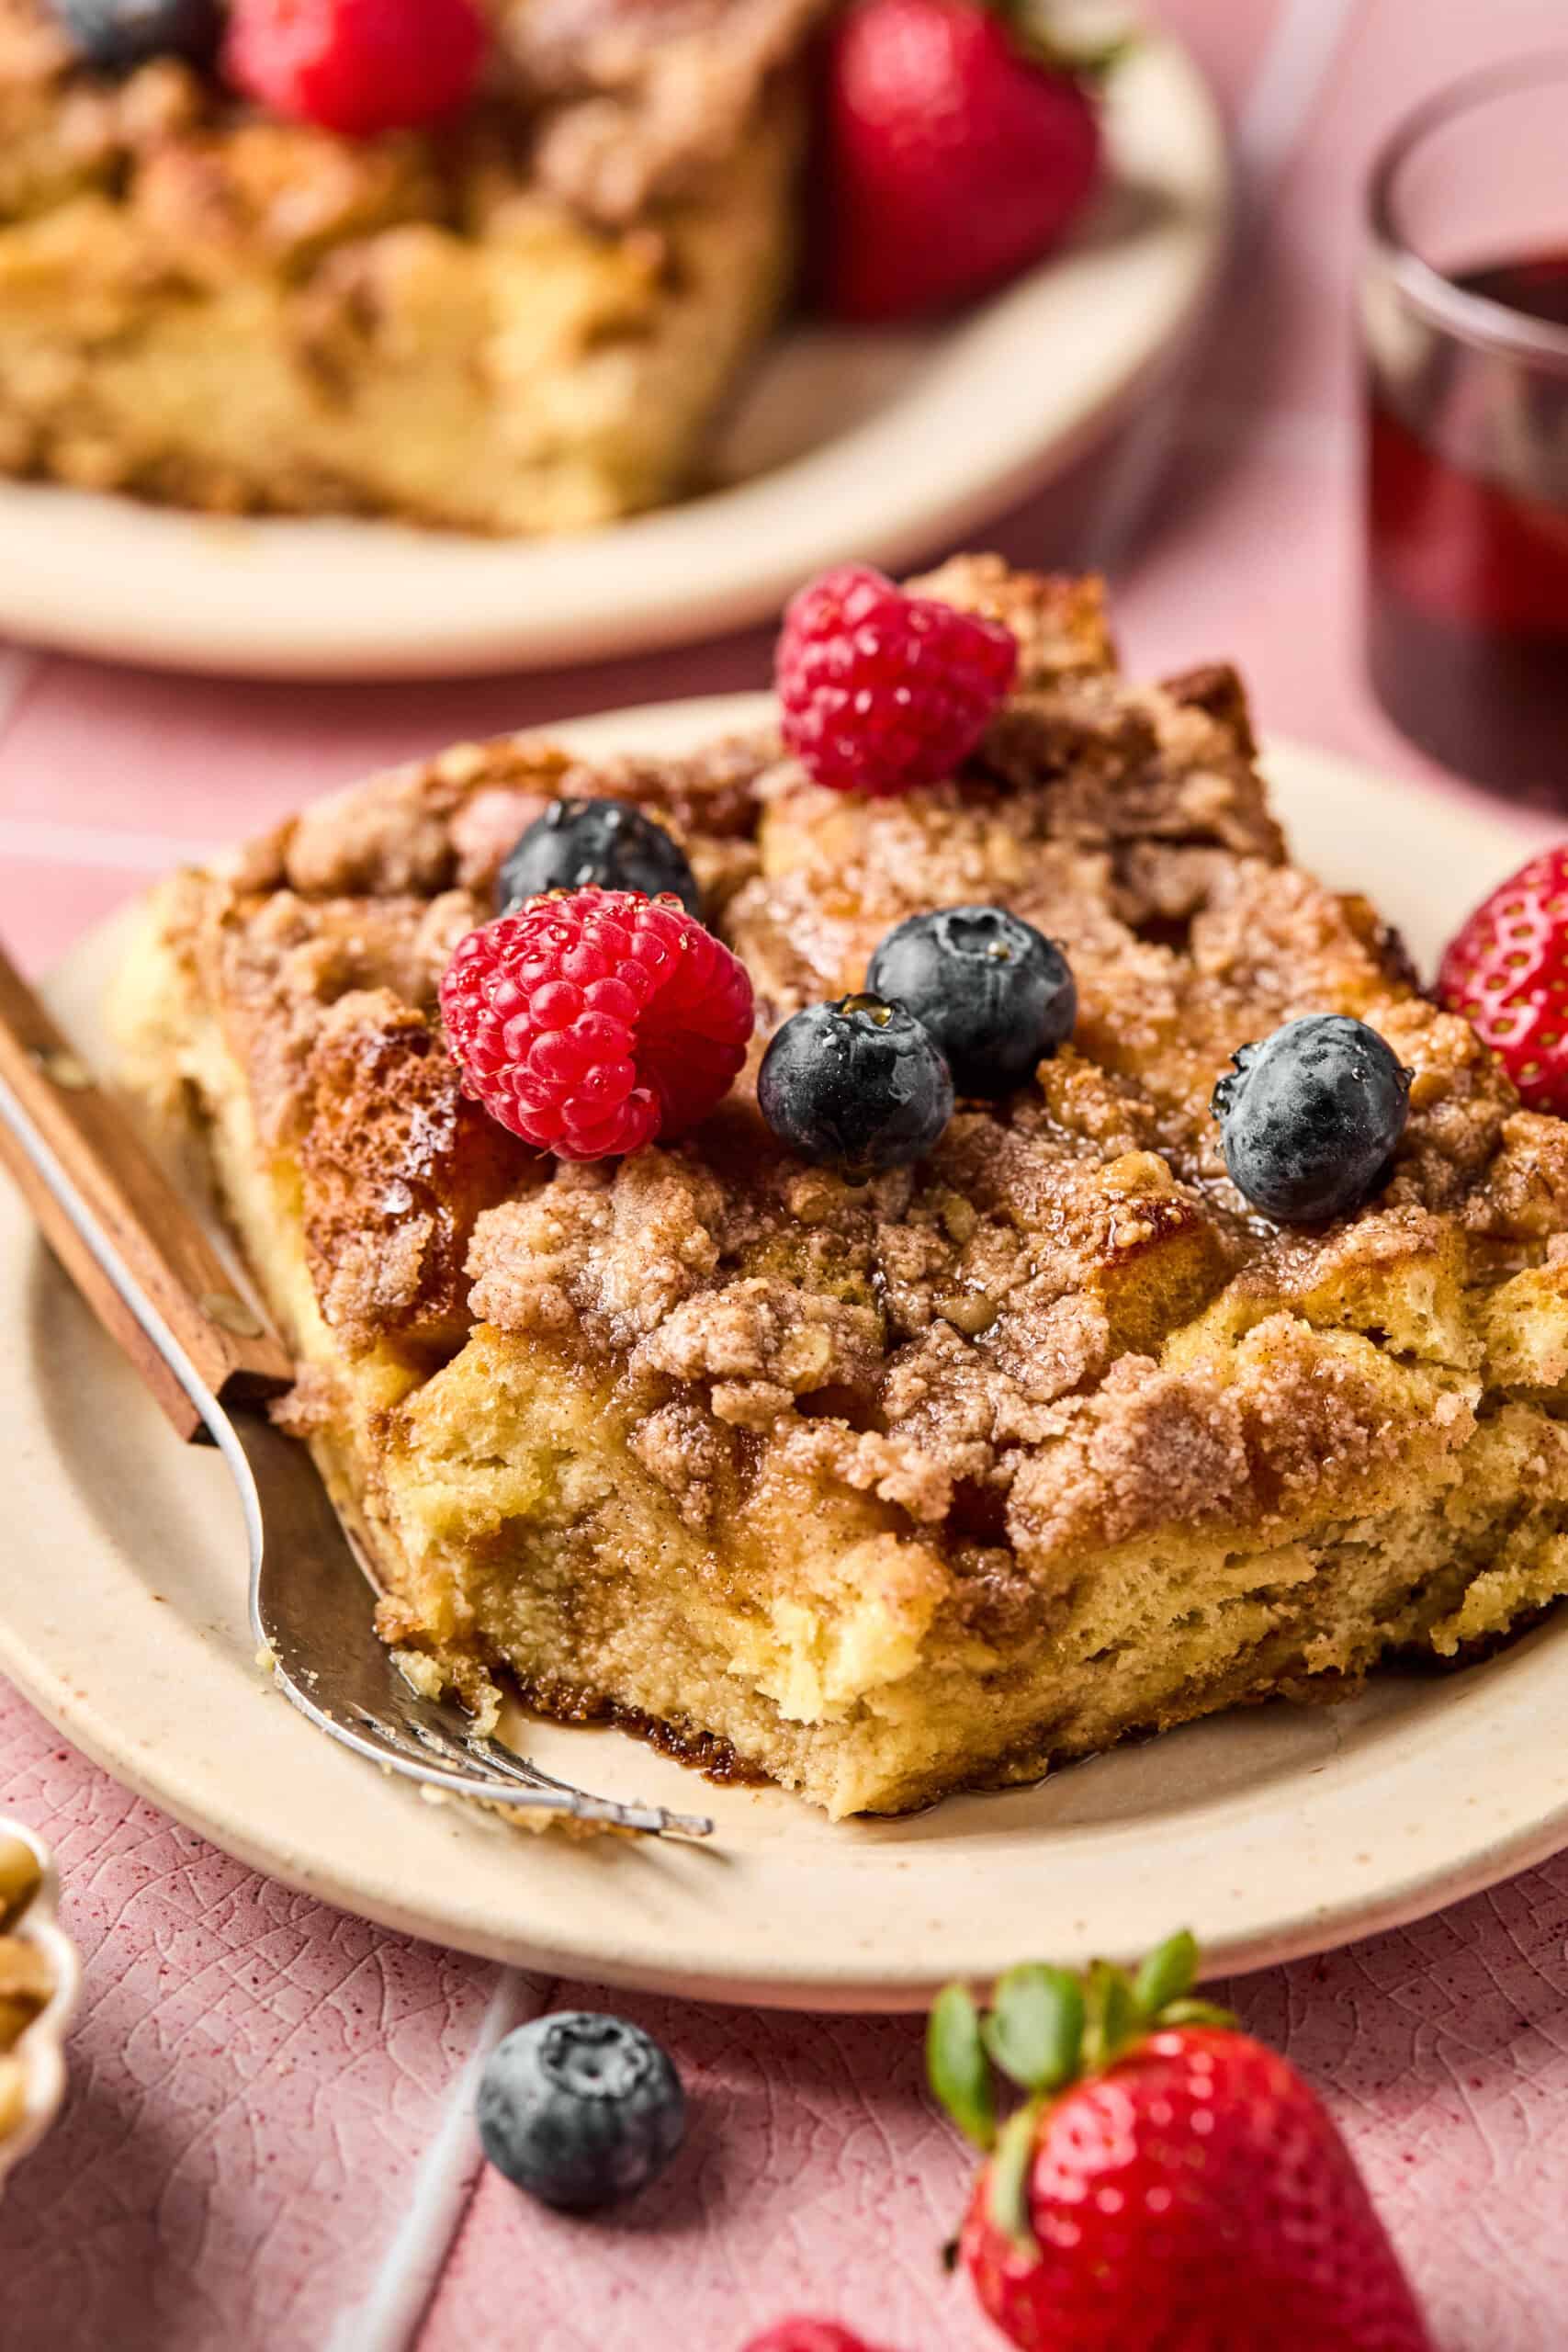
<point x="1506" y="971"/>
<point x="882" y="691"/>
<point x="954" y="152"/>
<point x="357" y="66"/>
<point x="808" y="2335"/>
<point x="591" y="1021"/>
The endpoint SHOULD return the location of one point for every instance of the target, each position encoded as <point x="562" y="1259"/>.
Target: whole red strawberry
<point x="808" y="2335"/>
<point x="357" y="66"/>
<point x="1169" y="2184"/>
<point x="953" y="156"/>
<point x="1506" y="970"/>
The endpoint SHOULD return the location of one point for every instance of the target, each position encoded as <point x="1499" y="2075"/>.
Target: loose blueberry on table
<point x="607" y="844"/>
<point x="1311" y="1119"/>
<point x="858" y="1083"/>
<point x="995" y="995"/>
<point x="581" y="2110"/>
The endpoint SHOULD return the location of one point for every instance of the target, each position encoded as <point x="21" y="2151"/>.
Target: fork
<point x="143" y="1262"/>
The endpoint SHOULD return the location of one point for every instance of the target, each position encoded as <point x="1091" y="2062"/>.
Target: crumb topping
<point x="397" y="1166"/>
<point x="605" y="109"/>
<point x="638" y="103"/>
<point x="1066" y="1328"/>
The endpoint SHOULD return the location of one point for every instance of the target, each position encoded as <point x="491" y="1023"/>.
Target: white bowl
<point x="43" y="2047"/>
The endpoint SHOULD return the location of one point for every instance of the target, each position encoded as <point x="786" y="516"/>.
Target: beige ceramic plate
<point x="1273" y="1832"/>
<point x="41" y="2049"/>
<point x="846" y="445"/>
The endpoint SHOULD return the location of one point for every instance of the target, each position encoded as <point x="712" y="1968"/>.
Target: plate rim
<point x="1477" y="1850"/>
<point x="458" y="605"/>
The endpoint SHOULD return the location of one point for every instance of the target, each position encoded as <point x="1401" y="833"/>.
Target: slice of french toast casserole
<point x="889" y="1487"/>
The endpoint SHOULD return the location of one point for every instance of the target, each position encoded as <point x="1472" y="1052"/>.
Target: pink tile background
<point x="267" y="2145"/>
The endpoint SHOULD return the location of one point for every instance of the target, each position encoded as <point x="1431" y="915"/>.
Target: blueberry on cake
<point x="1026" y="1267"/>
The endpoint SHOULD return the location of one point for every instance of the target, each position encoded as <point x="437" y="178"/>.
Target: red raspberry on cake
<point x="1506" y="970"/>
<point x="881" y="692"/>
<point x="357" y="66"/>
<point x="592" y="1022"/>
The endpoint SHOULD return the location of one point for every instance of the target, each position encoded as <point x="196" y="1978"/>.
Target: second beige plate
<point x="1273" y="1832"/>
<point x="876" y="447"/>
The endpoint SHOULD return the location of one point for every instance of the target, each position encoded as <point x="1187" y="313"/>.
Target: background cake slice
<point x="887" y="1488"/>
<point x="484" y="327"/>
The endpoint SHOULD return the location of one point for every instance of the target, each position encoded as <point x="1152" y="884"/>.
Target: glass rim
<point x="1469" y="317"/>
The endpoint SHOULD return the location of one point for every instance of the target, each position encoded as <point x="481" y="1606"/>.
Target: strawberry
<point x="1506" y="970"/>
<point x="1167" y="2184"/>
<point x="953" y="156"/>
<point x="808" y="2335"/>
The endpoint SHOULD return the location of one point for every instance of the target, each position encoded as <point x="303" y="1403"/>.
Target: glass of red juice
<point x="1465" y="331"/>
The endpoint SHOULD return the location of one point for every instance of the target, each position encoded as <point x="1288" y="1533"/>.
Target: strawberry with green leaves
<point x="1165" y="2183"/>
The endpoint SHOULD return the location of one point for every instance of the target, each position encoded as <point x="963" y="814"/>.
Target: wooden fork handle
<point x="157" y="1239"/>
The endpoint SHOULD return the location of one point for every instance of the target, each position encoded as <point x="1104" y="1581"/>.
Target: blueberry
<point x="993" y="991"/>
<point x="581" y="2110"/>
<point x="1309" y="1122"/>
<point x="118" y="34"/>
<point x="858" y="1082"/>
<point x="579" y="842"/>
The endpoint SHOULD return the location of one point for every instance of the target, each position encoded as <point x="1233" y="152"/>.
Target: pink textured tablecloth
<point x="268" y="2142"/>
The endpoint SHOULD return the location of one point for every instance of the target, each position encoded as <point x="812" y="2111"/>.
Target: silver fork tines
<point x="416" y="1739"/>
<point x="311" y="1595"/>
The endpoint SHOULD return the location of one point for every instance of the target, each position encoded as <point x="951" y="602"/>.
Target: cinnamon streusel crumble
<point x="886" y="1488"/>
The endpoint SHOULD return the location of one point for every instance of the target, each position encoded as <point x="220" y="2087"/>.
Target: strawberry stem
<point x="1008" y="2194"/>
<point x="1047" y="2028"/>
<point x="1166" y="1973"/>
<point x="1083" y="38"/>
<point x="957" y="2067"/>
<point x="1195" y="2013"/>
<point x="1035" y="2033"/>
<point x="1112" y="2015"/>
